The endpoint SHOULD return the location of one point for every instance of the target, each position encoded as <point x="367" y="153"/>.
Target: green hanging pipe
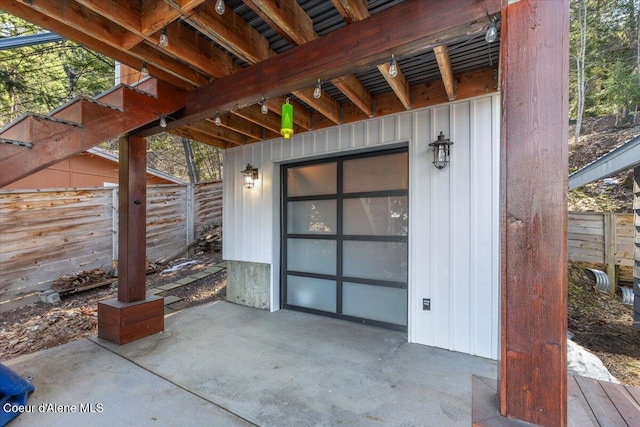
<point x="286" y="129"/>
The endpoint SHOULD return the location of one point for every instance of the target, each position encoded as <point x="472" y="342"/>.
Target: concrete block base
<point x="248" y="283"/>
<point x="121" y="322"/>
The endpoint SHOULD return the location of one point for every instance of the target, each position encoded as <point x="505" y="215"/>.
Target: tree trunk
<point x="580" y="75"/>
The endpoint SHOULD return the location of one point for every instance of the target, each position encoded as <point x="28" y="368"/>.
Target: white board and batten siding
<point x="454" y="213"/>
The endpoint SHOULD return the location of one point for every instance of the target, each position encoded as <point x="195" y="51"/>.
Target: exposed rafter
<point x="235" y="67"/>
<point x="424" y="25"/>
<point x="444" y="64"/>
<point x="399" y="84"/>
<point x="290" y="20"/>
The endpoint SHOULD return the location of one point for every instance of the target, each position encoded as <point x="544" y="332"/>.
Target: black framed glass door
<point x="345" y="237"/>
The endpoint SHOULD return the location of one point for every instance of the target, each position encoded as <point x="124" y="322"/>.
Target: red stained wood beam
<point x="132" y="227"/>
<point x="408" y="28"/>
<point x="535" y="70"/>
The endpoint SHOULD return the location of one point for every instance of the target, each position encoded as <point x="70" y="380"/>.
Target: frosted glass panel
<point x="313" y="217"/>
<point x="379" y="173"/>
<point x="379" y="216"/>
<point x="375" y="302"/>
<point x="311" y="256"/>
<point x="376" y="260"/>
<point x="312" y="180"/>
<point x="311" y="293"/>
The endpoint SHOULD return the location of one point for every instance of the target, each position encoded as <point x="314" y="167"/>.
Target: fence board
<point x="586" y="238"/>
<point x="208" y="205"/>
<point x="45" y="234"/>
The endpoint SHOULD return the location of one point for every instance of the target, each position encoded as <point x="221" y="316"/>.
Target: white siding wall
<point x="454" y="217"/>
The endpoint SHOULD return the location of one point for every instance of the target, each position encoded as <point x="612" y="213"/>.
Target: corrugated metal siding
<point x="208" y="204"/>
<point x="454" y="218"/>
<point x="44" y="234"/>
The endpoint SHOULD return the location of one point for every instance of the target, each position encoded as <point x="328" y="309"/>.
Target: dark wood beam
<point x="132" y="223"/>
<point x="533" y="356"/>
<point x="132" y="316"/>
<point x="410" y="27"/>
<point x="636" y="244"/>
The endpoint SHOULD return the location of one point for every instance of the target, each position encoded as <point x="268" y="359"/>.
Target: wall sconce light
<point x="249" y="176"/>
<point x="441" y="151"/>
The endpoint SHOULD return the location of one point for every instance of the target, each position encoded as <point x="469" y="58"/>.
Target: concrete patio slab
<point x="82" y="376"/>
<point x="270" y="369"/>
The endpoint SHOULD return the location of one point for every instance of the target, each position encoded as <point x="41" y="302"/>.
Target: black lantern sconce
<point x="441" y="151"/>
<point x="249" y="176"/>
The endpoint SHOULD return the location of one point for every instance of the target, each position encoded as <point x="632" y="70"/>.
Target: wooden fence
<point x="603" y="238"/>
<point x="45" y="234"/>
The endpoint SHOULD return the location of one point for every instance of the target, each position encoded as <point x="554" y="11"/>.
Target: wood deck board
<point x="590" y="402"/>
<point x="624" y="402"/>
<point x="634" y="392"/>
<point x="578" y="409"/>
<point x="603" y="408"/>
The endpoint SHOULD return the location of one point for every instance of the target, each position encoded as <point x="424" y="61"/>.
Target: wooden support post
<point x="131" y="316"/>
<point x="133" y="215"/>
<point x="636" y="241"/>
<point x="610" y="250"/>
<point x="535" y="72"/>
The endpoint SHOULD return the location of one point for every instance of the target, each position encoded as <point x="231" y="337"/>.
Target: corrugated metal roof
<point x="466" y="55"/>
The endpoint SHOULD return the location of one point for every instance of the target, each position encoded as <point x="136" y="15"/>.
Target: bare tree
<point x="580" y="74"/>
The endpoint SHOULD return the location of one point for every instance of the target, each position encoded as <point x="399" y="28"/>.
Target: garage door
<point x="345" y="238"/>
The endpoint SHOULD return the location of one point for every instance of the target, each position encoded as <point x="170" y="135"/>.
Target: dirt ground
<point x="39" y="326"/>
<point x="599" y="321"/>
<point x="604" y="325"/>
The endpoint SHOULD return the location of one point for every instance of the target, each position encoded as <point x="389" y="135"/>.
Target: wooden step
<point x="34" y="127"/>
<point x="57" y="137"/>
<point x="119" y="96"/>
<point x="83" y="109"/>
